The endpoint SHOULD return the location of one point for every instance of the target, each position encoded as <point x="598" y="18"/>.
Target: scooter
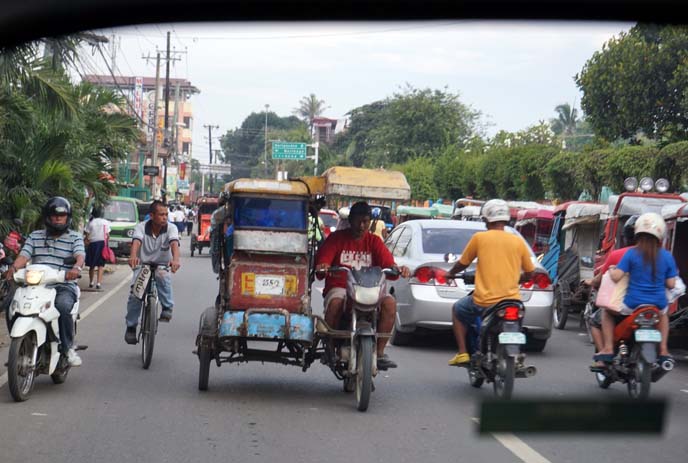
<point x="635" y="362"/>
<point x="355" y="360"/>
<point x="35" y="336"/>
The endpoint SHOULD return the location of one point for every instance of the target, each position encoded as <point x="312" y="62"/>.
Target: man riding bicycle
<point x="501" y="257"/>
<point x="155" y="241"/>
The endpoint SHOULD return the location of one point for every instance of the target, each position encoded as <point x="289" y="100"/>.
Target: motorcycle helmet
<point x="495" y="210"/>
<point x="57" y="205"/>
<point x="629" y="229"/>
<point x="344" y="213"/>
<point x="652" y="224"/>
<point x="375" y="213"/>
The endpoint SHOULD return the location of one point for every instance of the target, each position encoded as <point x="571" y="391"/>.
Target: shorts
<point x="334" y="293"/>
<point x="466" y="310"/>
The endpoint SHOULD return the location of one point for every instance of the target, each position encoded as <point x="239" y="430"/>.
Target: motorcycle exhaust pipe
<point x="667" y="365"/>
<point x="526" y="372"/>
<point x="664" y="368"/>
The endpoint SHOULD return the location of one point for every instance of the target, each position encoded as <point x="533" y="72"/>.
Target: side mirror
<point x="450" y="257"/>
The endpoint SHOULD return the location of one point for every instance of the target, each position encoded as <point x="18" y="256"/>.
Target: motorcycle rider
<point x="155" y="241"/>
<point x="377" y="227"/>
<point x="651" y="271"/>
<point x="356" y="247"/>
<point x="501" y="257"/>
<point x="51" y="246"/>
<point x="612" y="259"/>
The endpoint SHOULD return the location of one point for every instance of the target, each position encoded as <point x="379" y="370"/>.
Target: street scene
<point x="209" y="259"/>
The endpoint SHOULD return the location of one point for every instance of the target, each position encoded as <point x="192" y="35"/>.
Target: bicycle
<point x="145" y="289"/>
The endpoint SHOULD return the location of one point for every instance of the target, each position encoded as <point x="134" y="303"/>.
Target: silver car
<point x="424" y="301"/>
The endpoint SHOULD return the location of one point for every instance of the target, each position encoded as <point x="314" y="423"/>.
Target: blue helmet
<point x="375" y="213"/>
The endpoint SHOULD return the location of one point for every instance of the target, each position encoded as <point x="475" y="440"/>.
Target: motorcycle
<point x="635" y="362"/>
<point x="354" y="360"/>
<point x="34" y="334"/>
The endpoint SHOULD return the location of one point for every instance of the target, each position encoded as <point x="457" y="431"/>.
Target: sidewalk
<point x="114" y="274"/>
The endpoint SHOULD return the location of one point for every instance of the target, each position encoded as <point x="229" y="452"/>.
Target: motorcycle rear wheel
<point x="364" y="372"/>
<point x="505" y="372"/>
<point x="21" y="366"/>
<point x="640" y="380"/>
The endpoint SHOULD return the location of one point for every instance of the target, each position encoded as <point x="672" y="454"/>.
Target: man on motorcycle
<point x="356" y="247"/>
<point x="51" y="246"/>
<point x="155" y="241"/>
<point x="501" y="257"/>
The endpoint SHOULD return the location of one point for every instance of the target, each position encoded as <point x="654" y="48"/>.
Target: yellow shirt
<point x="379" y="227"/>
<point x="501" y="256"/>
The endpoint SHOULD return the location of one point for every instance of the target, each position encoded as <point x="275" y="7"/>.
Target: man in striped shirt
<point x="51" y="246"/>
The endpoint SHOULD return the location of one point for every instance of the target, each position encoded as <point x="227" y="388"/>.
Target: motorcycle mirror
<point x="450" y="257"/>
<point x="70" y="260"/>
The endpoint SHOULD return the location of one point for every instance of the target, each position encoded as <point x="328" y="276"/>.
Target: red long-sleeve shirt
<point x="341" y="249"/>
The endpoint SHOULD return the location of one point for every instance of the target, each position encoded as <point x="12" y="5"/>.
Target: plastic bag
<point x="677" y="291"/>
<point x="611" y="295"/>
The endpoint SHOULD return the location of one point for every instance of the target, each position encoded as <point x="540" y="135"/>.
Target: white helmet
<point x="344" y="213"/>
<point x="495" y="210"/>
<point x="652" y="224"/>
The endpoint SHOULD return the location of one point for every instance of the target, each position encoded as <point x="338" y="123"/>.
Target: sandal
<point x="604" y="358"/>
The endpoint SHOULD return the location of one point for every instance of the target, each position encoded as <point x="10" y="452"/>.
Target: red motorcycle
<point x="635" y="362"/>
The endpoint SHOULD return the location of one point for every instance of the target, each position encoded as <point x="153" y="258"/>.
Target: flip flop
<point x="606" y="358"/>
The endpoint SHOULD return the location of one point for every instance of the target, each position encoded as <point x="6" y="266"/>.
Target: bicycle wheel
<point x="148" y="329"/>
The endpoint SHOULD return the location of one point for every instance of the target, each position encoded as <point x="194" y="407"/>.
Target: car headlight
<point x="33" y="277"/>
<point x="130" y="233"/>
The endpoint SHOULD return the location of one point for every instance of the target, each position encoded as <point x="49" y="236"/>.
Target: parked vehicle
<point x="535" y="225"/>
<point x="571" y="255"/>
<point x="34" y="335"/>
<point x="676" y="242"/>
<point x="330" y="219"/>
<point x="424" y="301"/>
<point x="405" y="213"/>
<point x="467" y="209"/>
<point x="636" y="340"/>
<point x="200" y="238"/>
<point x="123" y="214"/>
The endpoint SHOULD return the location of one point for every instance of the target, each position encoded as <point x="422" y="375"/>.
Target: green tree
<point x="672" y="164"/>
<point x="309" y="108"/>
<point x="566" y="121"/>
<point x="638" y="83"/>
<point x="420" y="176"/>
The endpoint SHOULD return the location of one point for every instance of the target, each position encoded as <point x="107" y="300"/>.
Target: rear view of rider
<point x="51" y="246"/>
<point x="651" y="271"/>
<point x="356" y="247"/>
<point x="501" y="257"/>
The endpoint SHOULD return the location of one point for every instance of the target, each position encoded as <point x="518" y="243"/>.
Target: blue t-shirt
<point x="642" y="287"/>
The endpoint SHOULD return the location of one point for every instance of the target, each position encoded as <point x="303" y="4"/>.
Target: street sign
<point x="287" y="150"/>
<point x="152" y="171"/>
<point x="221" y="169"/>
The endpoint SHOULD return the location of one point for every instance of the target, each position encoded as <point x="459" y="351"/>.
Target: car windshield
<point x="120" y="211"/>
<point x="270" y="213"/>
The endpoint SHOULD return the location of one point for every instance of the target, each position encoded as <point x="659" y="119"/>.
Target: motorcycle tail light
<point x="511" y="313"/>
<point x="646" y="318"/>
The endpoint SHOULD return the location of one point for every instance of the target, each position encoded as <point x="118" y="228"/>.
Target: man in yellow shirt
<point x="377" y="226"/>
<point x="501" y="257"/>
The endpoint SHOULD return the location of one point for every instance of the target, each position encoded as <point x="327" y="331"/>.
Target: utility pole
<point x="210" y="150"/>
<point x="154" y="188"/>
<point x="265" y="156"/>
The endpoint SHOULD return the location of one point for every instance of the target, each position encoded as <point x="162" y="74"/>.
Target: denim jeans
<point x="469" y="313"/>
<point x="65" y="299"/>
<point x="163" y="279"/>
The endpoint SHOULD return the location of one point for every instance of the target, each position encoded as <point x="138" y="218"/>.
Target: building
<point x="324" y="129"/>
<point x="175" y="146"/>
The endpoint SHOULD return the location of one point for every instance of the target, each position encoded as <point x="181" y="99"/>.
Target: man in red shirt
<point x="355" y="247"/>
<point x="612" y="260"/>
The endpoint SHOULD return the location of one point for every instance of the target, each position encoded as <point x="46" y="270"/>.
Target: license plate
<point x="512" y="338"/>
<point x="113" y="244"/>
<point x="648" y="336"/>
<point x="141" y="282"/>
<point x="269" y="285"/>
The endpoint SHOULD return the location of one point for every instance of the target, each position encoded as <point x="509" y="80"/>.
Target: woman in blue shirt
<point x="651" y="271"/>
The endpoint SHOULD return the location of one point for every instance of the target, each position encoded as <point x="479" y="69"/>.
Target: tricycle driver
<point x="356" y="247"/>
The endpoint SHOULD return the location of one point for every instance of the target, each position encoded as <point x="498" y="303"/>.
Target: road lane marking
<point x="684" y="390"/>
<point x="516" y="446"/>
<point x="84" y="314"/>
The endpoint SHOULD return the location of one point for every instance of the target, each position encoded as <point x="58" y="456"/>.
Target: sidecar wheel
<point x="204" y="359"/>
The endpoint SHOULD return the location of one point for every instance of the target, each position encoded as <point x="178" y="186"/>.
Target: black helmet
<point x="629" y="229"/>
<point x="360" y="209"/>
<point x="57" y="205"/>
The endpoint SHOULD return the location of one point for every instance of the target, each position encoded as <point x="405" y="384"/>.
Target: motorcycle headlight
<point x="33" y="277"/>
<point x="366" y="296"/>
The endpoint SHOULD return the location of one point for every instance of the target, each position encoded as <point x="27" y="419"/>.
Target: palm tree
<point x="309" y="108"/>
<point x="566" y="121"/>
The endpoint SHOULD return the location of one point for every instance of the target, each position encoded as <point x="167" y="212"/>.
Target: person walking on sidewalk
<point x="97" y="230"/>
<point x="155" y="241"/>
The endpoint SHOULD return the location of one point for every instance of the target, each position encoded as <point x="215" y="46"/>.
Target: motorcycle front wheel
<point x="364" y="372"/>
<point x="21" y="366"/>
<point x="505" y="372"/>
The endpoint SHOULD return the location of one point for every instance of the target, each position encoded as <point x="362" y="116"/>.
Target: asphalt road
<point x="111" y="410"/>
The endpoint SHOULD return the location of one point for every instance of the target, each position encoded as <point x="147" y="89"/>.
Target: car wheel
<point x="400" y="338"/>
<point x="535" y="345"/>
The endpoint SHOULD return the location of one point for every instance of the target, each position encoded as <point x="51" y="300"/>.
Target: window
<point x="403" y="243"/>
<point x="270" y="213"/>
<point x="392" y="239"/>
<point x="444" y="240"/>
<point x="187" y="122"/>
<point x="120" y="211"/>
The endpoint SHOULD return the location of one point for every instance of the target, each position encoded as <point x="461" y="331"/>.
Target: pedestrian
<point x="97" y="231"/>
<point x="189" y="221"/>
<point x="180" y="219"/>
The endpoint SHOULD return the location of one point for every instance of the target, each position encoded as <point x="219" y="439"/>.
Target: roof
<point x="366" y="183"/>
<point x="416" y="211"/>
<point x="639" y="203"/>
<point x="130" y="82"/>
<point x="675" y="211"/>
<point x="542" y="214"/>
<point x="266" y="186"/>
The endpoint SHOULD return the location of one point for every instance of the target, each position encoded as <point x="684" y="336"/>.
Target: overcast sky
<point x="515" y="73"/>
